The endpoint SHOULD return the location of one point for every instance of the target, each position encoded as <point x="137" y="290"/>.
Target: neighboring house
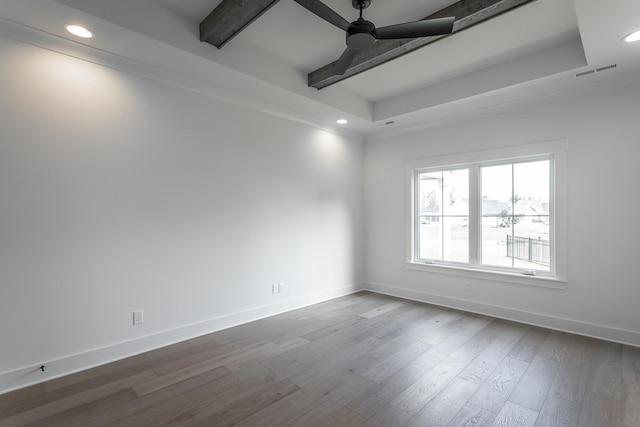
<point x="494" y="208"/>
<point x="538" y="210"/>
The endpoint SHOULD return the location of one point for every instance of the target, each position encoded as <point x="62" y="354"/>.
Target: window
<point x="516" y="212"/>
<point x="497" y="212"/>
<point x="443" y="215"/>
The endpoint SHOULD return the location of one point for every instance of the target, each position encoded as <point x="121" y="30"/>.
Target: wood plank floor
<point x="361" y="360"/>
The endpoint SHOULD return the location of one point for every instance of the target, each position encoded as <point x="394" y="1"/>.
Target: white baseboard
<point x="23" y="377"/>
<point x="531" y="318"/>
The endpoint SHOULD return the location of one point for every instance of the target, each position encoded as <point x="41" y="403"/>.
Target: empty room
<point x="319" y="213"/>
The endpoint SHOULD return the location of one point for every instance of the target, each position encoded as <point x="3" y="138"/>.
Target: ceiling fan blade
<point x="429" y="27"/>
<point x="324" y="12"/>
<point x="343" y="62"/>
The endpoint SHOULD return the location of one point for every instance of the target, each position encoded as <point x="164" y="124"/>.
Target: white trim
<point x="495" y="275"/>
<point x="29" y="375"/>
<point x="558" y="149"/>
<point x="497" y="154"/>
<point x="603" y="332"/>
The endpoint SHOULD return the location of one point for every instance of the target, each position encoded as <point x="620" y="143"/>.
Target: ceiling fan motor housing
<point x="360" y="35"/>
<point x="360" y="4"/>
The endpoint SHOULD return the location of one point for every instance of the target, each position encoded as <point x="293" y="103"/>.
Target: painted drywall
<point x="600" y="122"/>
<point x="122" y="193"/>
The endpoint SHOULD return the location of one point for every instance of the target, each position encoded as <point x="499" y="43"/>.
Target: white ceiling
<point x="527" y="53"/>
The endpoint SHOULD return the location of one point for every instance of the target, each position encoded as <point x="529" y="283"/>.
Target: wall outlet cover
<point x="138" y="317"/>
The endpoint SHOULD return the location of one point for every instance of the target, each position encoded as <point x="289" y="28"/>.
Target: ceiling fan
<point x="362" y="34"/>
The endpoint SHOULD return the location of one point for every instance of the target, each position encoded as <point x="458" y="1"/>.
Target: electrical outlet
<point x="467" y="286"/>
<point x="280" y="287"/>
<point x="138" y="317"/>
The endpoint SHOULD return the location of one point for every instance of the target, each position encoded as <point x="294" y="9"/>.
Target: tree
<point x="509" y="219"/>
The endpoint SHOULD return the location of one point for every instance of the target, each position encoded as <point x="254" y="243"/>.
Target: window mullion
<point x="552" y="214"/>
<point x="474" y="221"/>
<point x="513" y="209"/>
<point x="416" y="212"/>
<point x="442" y="224"/>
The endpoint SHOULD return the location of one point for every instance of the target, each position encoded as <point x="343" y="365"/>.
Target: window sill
<point x="476" y="273"/>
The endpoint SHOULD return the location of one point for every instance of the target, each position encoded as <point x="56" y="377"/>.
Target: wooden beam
<point x="230" y="18"/>
<point x="467" y="13"/>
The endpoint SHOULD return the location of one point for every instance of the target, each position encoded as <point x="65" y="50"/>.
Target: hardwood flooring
<point x="361" y="360"/>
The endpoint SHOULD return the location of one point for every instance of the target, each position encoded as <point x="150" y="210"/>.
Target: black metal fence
<point x="532" y="250"/>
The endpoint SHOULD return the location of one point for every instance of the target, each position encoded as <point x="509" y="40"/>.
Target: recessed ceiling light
<point x="79" y="31"/>
<point x="633" y="37"/>
<point x="342" y="121"/>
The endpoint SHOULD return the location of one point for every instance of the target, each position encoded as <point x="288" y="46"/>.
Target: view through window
<point x="444" y="215"/>
<point x="516" y="215"/>
<point x="494" y="215"/>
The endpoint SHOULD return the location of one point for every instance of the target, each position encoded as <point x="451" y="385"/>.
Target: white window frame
<point x="556" y="150"/>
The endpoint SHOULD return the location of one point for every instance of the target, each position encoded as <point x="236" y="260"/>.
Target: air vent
<point x="585" y="73"/>
<point x="596" y="70"/>
<point x="608" y="67"/>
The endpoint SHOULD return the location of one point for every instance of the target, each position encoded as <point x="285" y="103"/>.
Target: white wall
<point x="602" y="126"/>
<point x="120" y="193"/>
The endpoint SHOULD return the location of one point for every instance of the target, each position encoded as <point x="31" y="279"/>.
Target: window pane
<point x="496" y="189"/>
<point x="515" y="210"/>
<point x="494" y="241"/>
<point x="444" y="215"/>
<point x="430" y="238"/>
<point x="497" y="215"/>
<point x="455" y="239"/>
<point x="531" y="183"/>
<point x="430" y="193"/>
<point x="455" y="199"/>
<point x="529" y="246"/>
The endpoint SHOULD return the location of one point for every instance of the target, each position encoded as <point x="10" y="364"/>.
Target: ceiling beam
<point x="467" y="13"/>
<point x="231" y="17"/>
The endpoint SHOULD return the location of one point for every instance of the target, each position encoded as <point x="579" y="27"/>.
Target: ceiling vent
<point x="592" y="71"/>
